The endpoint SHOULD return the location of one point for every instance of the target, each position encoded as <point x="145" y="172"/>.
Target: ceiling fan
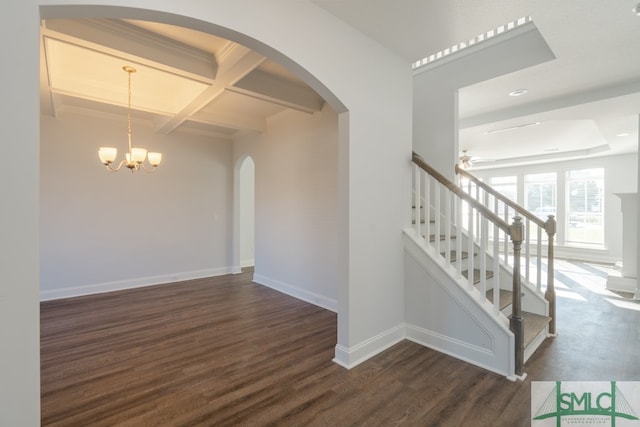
<point x="467" y="161"/>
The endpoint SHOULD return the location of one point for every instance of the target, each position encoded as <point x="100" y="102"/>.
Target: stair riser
<point x="464" y="265"/>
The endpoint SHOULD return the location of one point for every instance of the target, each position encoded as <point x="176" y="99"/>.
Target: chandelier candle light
<point x="134" y="159"/>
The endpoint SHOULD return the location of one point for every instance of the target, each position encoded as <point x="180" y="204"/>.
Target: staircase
<point x="465" y="260"/>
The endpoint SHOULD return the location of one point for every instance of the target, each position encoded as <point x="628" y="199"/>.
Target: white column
<point x="627" y="279"/>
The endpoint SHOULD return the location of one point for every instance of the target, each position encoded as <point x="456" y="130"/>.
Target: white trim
<point x="247" y="262"/>
<point x="578" y="253"/>
<point x="297" y="292"/>
<point x="450" y="346"/>
<point x="471" y="47"/>
<point x="119" y="285"/>
<point x="535" y="343"/>
<point x="353" y="356"/>
<point x="622" y="284"/>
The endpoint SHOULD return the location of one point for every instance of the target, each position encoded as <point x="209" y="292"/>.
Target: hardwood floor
<point x="224" y="351"/>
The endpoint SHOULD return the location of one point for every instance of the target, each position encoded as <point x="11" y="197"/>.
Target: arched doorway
<point x="348" y="63"/>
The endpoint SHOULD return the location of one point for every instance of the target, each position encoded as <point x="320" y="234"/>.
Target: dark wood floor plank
<point x="224" y="351"/>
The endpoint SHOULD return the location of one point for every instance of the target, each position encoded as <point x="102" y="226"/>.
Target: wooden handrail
<point x="504" y="199"/>
<point x="549" y="226"/>
<point x="516" y="233"/>
<point x="502" y="224"/>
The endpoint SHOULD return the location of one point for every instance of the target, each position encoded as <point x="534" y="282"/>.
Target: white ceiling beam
<point x="240" y="122"/>
<point x="125" y="40"/>
<point x="207" y="133"/>
<point x="261" y="85"/>
<point x="238" y="62"/>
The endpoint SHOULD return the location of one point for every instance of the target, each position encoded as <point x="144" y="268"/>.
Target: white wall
<point x="19" y="308"/>
<point x="102" y="231"/>
<point x="296" y="166"/>
<point x="620" y="177"/>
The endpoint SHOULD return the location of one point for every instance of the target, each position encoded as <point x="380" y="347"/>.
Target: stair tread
<point x="453" y="255"/>
<point x="432" y="238"/>
<point x="476" y="275"/>
<point x="533" y="325"/>
<point x="505" y="298"/>
<point x="422" y="221"/>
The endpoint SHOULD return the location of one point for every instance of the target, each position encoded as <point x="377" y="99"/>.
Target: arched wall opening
<point x="237" y="238"/>
<point x="341" y="64"/>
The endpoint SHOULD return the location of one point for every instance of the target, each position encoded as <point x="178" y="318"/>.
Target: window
<point x="585" y="206"/>
<point x="540" y="194"/>
<point x="507" y="186"/>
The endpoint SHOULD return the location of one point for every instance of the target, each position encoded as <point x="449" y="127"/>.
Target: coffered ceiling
<point x="185" y="80"/>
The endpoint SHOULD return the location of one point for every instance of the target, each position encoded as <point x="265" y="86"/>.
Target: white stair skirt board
<point x="454" y="348"/>
<point x="472" y="332"/>
<point x="119" y="285"/>
<point x="297" y="292"/>
<point x="353" y="356"/>
<point x="535" y="343"/>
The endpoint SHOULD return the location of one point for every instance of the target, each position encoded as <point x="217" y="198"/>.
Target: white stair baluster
<point x="427" y="206"/>
<point x="539" y="261"/>
<point x="506" y="237"/>
<point x="447" y="225"/>
<point x="470" y="248"/>
<point x="527" y="250"/>
<point x="417" y="203"/>
<point x="496" y="269"/>
<point x="459" y="236"/>
<point x="483" y="257"/>
<point x="437" y="214"/>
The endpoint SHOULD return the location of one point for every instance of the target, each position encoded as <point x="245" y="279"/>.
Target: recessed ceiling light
<point x="551" y="150"/>
<point x="622" y="134"/>
<point x="636" y="9"/>
<point x="518" y="92"/>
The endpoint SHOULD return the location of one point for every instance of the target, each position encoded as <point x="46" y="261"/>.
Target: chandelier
<point x="135" y="157"/>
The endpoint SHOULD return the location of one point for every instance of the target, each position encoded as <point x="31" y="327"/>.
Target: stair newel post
<point x="516" y="323"/>
<point x="550" y="293"/>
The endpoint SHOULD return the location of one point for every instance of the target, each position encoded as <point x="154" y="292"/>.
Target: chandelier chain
<point x="129" y="72"/>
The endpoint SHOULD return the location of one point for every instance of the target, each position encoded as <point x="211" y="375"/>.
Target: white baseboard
<point x="119" y="285"/>
<point x="622" y="284"/>
<point x="297" y="292"/>
<point x="351" y="357"/>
